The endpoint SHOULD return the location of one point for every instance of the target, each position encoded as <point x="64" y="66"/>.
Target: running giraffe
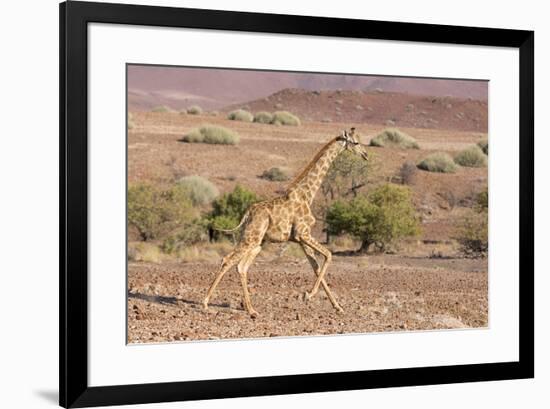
<point x="288" y="218"/>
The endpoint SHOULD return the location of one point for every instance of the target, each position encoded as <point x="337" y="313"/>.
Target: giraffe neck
<point x="309" y="183"/>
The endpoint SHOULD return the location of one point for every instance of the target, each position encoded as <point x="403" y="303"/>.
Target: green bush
<point x="263" y="117"/>
<point x="380" y="218"/>
<point x="200" y="190"/>
<point x="484" y="145"/>
<point x="240" y="115"/>
<point x="213" y="135"/>
<point x="194" y="110"/>
<point x="472" y="157"/>
<point x="285" y="118"/>
<point x="275" y="175"/>
<point x="394" y="138"/>
<point x="438" y="162"/>
<point x="161" y="108"/>
<point x="154" y="211"/>
<point x="229" y="209"/>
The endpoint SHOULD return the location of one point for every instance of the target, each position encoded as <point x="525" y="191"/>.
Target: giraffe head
<point x="350" y="141"/>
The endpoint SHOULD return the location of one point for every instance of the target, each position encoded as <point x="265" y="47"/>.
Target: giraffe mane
<point x="311" y="163"/>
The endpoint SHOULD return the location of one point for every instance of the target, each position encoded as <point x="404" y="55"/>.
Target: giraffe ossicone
<point x="288" y="218"/>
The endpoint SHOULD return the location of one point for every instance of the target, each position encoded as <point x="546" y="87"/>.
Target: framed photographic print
<point x="256" y="204"/>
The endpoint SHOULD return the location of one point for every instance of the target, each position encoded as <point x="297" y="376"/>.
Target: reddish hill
<point x="385" y="108"/>
<point x="179" y="87"/>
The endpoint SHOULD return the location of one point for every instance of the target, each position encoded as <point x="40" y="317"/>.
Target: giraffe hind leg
<point x="228" y="261"/>
<point x="252" y="237"/>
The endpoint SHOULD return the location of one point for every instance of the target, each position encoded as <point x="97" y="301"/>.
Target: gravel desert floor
<point x="378" y="293"/>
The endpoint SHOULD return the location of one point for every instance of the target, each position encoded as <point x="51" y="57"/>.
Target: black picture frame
<point x="74" y="17"/>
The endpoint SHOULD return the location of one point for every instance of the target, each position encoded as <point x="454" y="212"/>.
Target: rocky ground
<point x="378" y="293"/>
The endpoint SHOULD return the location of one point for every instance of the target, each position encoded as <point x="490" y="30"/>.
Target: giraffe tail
<point x="243" y="221"/>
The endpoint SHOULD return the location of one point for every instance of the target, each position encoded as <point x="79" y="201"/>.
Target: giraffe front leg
<point x="315" y="245"/>
<point x="310" y="255"/>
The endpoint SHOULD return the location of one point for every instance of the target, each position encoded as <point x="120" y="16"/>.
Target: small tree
<point x="154" y="211"/>
<point x="346" y="177"/>
<point x="380" y="218"/>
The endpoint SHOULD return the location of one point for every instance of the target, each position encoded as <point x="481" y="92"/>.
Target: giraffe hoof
<point x="307" y="296"/>
<point x="205" y="305"/>
<point x="339" y="310"/>
<point x="253" y="314"/>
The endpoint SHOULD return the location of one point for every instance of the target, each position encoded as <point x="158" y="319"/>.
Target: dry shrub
<point x="472" y="157"/>
<point x="438" y="162"/>
<point x="240" y="115"/>
<point x="392" y="137"/>
<point x="200" y="190"/>
<point x="263" y="117"/>
<point x="472" y="233"/>
<point x="275" y="175"/>
<point x="407" y="173"/>
<point x="146" y="252"/>
<point x="194" y="110"/>
<point x="285" y="118"/>
<point x="484" y="145"/>
<point x="213" y="135"/>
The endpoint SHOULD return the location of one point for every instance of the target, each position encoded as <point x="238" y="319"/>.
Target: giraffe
<point x="288" y="218"/>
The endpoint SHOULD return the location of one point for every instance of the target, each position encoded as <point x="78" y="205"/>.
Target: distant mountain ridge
<point x="180" y="87"/>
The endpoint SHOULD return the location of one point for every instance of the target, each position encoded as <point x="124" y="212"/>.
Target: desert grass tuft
<point x="194" y="110"/>
<point x="240" y="115"/>
<point x="263" y="117"/>
<point x="438" y="162"/>
<point x="212" y="135"/>
<point x="472" y="157"/>
<point x="285" y="118"/>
